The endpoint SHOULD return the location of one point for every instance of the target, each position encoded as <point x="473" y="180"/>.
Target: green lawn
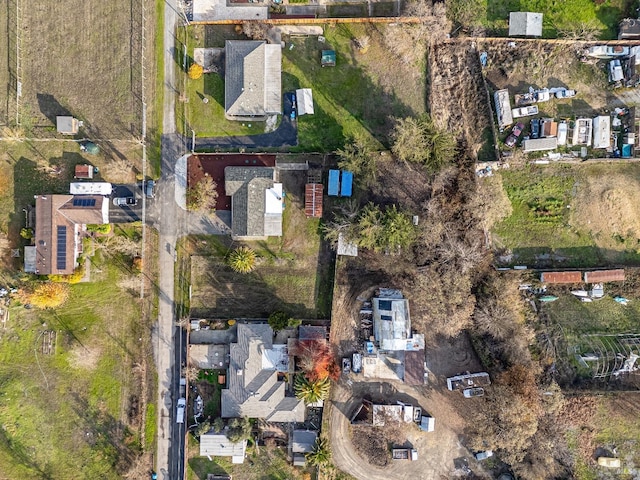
<point x="552" y="224"/>
<point x="604" y="15"/>
<point x="61" y="414"/>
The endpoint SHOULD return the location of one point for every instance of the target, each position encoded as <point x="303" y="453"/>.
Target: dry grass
<point x="81" y="58"/>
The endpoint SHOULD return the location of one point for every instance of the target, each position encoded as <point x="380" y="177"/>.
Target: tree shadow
<point x="202" y="467"/>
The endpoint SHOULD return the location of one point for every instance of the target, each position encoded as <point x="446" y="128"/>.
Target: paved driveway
<point x="286" y="135"/>
<point x="126" y="213"/>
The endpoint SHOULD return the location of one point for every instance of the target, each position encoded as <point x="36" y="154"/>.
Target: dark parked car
<point x="535" y="128"/>
<point x="515" y="134"/>
<point x="149" y="188"/>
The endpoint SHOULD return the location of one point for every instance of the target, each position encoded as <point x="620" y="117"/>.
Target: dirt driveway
<point x="436" y="450"/>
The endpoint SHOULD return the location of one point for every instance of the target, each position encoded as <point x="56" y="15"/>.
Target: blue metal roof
<point x="346" y="188"/>
<point x="334" y="183"/>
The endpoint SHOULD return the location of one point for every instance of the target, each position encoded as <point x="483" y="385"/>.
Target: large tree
<point x="49" y="295"/>
<point x="419" y="140"/>
<point x="360" y="158"/>
<point x="202" y="196"/>
<point x="384" y="230"/>
<point x="316" y="360"/>
<point x="239" y="429"/>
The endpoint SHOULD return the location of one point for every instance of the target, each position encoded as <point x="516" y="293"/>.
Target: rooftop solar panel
<point x="61" y="257"/>
<point x="84" y="202"/>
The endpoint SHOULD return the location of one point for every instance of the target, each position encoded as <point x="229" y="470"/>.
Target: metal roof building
<point x="561" y="277"/>
<point x="252" y="87"/>
<point x="603" y="276"/>
<point x="303" y="441"/>
<point x="525" y="24"/>
<point x="214" y="444"/>
<point x="391" y="322"/>
<point x="304" y="99"/>
<point x="503" y="108"/>
<point x="602" y="131"/>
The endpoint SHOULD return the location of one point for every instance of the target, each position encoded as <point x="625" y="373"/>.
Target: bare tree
<point x="256" y="30"/>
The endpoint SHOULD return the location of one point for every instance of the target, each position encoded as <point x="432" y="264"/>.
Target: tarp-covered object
<point x="304" y="98"/>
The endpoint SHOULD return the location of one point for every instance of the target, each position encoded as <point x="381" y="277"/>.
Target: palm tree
<point x="242" y="260"/>
<point x="320" y="454"/>
<point x="309" y="391"/>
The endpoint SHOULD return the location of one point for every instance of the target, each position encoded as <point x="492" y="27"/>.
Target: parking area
<point x="126" y="203"/>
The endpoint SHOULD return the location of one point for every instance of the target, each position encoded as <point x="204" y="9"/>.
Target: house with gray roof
<point x="256" y="202"/>
<point x="252" y="81"/>
<point x="254" y="390"/>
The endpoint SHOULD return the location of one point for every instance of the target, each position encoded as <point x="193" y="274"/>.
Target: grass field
<point x="572" y="215"/>
<point x="65" y="415"/>
<point x="603" y="15"/>
<point x="81" y="59"/>
<point x="294" y="272"/>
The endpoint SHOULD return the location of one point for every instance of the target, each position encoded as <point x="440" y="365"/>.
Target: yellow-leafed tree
<point x="195" y="71"/>
<point x="49" y="295"/>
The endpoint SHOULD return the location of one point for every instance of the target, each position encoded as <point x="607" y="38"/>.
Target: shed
<point x="602" y="131"/>
<point x="539" y="144"/>
<point x="603" y="276"/>
<point x="83" y="171"/>
<point x="303" y="441"/>
<point x="549" y="128"/>
<point x="346" y="247"/>
<point x="525" y="24"/>
<point x="313" y="200"/>
<point x="427" y="424"/>
<point x="561" y="277"/>
<point x="328" y="58"/>
<point x="582" y="131"/>
<point x="346" y="185"/>
<point x="304" y="99"/>
<point x="503" y="108"/>
<point x="90" y="188"/>
<point x="67" y="125"/>
<point x="334" y="183"/>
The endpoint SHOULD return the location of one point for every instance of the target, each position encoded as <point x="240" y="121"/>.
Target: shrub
<point x="105" y="229"/>
<point x="26" y="233"/>
<point x="281" y="320"/>
<point x="242" y="260"/>
<point x="195" y="71"/>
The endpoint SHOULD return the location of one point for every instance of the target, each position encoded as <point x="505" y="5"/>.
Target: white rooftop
<point x="90" y="188"/>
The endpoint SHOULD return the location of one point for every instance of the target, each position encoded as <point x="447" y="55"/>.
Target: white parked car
<point x="182" y="403"/>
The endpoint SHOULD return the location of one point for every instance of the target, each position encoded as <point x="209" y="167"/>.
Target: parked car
<point x="515" y="134"/>
<point x="149" y="188"/>
<point x="182" y="403"/>
<point x="479" y="456"/>
<point x="124" y="201"/>
<point x="535" y="128"/>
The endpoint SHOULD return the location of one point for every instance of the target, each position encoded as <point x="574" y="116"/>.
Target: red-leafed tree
<point x="317" y="360"/>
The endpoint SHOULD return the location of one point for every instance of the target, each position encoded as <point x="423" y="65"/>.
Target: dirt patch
<point x="85" y="357"/>
<point x="608" y="206"/>
<point x="213" y="165"/>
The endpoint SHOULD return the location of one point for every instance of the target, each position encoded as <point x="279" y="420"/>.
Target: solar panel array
<point x="84" y="202"/>
<point x="62" y="248"/>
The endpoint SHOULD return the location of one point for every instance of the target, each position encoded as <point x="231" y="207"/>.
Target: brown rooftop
<point x="414" y="367"/>
<point x="83" y="171"/>
<point x="602" y="276"/>
<point x="561" y="277"/>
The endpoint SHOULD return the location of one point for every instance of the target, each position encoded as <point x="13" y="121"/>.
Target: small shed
<point x="313" y="200"/>
<point x="303" y="441"/>
<point x="299" y="460"/>
<point x="328" y="58"/>
<point x="427" y="424"/>
<point x="561" y="277"/>
<point x="304" y="99"/>
<point x="629" y="29"/>
<point x="346" y="247"/>
<point x="334" y="183"/>
<point x="218" y="445"/>
<point x="525" y="24"/>
<point x="83" y="171"/>
<point x="346" y="185"/>
<point x="67" y="125"/>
